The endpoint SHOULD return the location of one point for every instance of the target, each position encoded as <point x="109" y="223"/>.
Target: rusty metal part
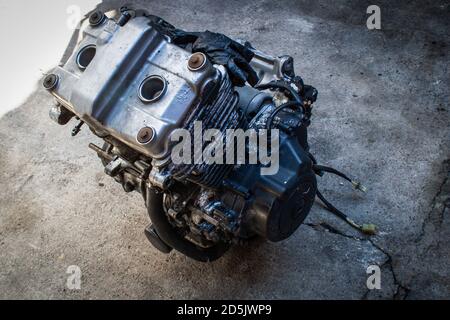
<point x="196" y="61"/>
<point x="145" y="135"/>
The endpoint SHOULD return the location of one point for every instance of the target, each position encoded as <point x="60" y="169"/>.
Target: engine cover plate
<point x="103" y="81"/>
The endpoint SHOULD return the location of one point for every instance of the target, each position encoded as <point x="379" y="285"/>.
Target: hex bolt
<point x="196" y="61"/>
<point x="124" y="18"/>
<point x="50" y="81"/>
<point x="96" y="18"/>
<point x="145" y="135"/>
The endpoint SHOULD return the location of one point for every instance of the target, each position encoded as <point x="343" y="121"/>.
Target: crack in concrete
<point x="401" y="291"/>
<point x="431" y="216"/>
<point x="434" y="202"/>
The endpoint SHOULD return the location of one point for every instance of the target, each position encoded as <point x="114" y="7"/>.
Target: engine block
<point x="135" y="80"/>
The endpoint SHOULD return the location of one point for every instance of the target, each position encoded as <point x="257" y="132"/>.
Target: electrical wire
<point x="318" y="169"/>
<point x="277" y="110"/>
<point x="356" y="185"/>
<point x="369" y="229"/>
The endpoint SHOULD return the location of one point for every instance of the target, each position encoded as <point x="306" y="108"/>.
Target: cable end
<point x="369" y="228"/>
<point x="358" y="186"/>
<point x="352" y="223"/>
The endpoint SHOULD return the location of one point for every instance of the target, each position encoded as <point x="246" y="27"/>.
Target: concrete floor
<point x="382" y="115"/>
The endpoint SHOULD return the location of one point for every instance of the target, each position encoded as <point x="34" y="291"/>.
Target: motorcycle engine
<point x="134" y="79"/>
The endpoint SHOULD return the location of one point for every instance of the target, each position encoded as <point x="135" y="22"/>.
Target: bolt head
<point x="50" y="81"/>
<point x="145" y="135"/>
<point x="96" y="18"/>
<point x="196" y="61"/>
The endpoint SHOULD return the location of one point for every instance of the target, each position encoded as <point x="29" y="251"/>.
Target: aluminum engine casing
<point x="105" y="94"/>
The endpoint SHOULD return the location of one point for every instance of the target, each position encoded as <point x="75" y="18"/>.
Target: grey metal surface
<point x="267" y="67"/>
<point x="106" y="93"/>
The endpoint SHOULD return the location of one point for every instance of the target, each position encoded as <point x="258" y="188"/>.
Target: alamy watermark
<point x="374" y="20"/>
<point x="374" y="278"/>
<point x="73" y="281"/>
<point x="235" y="146"/>
<point x="74" y="17"/>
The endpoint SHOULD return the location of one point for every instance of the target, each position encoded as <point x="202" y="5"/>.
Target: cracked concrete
<point x="382" y="116"/>
<point x="400" y="291"/>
